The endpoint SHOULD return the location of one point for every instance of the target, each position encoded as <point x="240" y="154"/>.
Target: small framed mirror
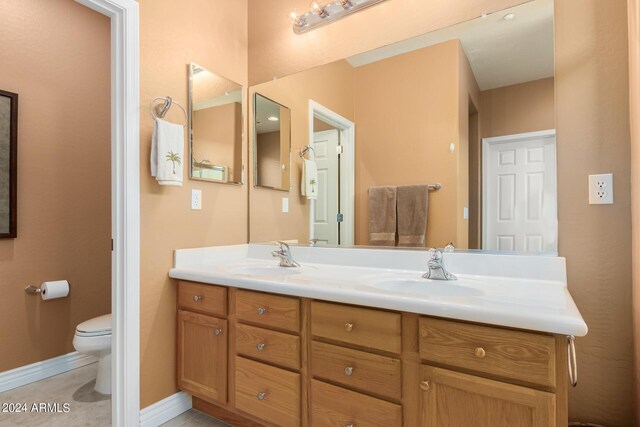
<point x="8" y="164"/>
<point x="215" y="127"/>
<point x="271" y="144"/>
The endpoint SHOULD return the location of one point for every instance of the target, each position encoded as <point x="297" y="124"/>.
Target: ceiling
<point x="501" y="52"/>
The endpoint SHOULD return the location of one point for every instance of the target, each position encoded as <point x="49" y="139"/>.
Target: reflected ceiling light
<point x="509" y="17"/>
<point x="320" y="14"/>
<point x="273" y="118"/>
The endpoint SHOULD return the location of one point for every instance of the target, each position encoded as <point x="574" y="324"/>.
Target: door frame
<point x="487" y="143"/>
<point x="125" y="207"/>
<point x="347" y="130"/>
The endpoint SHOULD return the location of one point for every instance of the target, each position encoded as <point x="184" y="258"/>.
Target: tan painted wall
<point x="218" y="137"/>
<point x="330" y="85"/>
<point x="592" y="122"/>
<point x="525" y="107"/>
<point x="214" y="35"/>
<point x="634" y="92"/>
<point x="274" y="49"/>
<point x="403" y="132"/>
<point x="60" y="70"/>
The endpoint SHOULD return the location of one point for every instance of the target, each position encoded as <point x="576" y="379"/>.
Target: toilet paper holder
<point x="32" y="290"/>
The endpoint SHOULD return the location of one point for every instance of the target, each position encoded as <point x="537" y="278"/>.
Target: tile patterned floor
<point x="86" y="407"/>
<point x="194" y="418"/>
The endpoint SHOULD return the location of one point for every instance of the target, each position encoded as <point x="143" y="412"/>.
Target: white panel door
<point x="520" y="193"/>
<point x="326" y="206"/>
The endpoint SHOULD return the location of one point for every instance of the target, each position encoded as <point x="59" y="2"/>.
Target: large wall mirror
<point x="215" y="127"/>
<point x="8" y="163"/>
<point x="448" y="137"/>
<point x="271" y="143"/>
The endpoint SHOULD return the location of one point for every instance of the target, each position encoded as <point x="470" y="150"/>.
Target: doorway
<point x="519" y="193"/>
<point x="331" y="216"/>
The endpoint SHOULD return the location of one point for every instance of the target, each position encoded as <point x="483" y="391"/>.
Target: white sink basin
<point x="265" y="270"/>
<point x="439" y="288"/>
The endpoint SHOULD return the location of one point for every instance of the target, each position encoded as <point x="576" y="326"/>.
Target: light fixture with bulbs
<point x="320" y="14"/>
<point x="273" y="119"/>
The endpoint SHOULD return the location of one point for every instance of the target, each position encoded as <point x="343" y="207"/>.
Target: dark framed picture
<point x="8" y="164"/>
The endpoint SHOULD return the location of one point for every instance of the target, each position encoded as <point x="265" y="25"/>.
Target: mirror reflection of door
<point x="520" y="193"/>
<point x="327" y="206"/>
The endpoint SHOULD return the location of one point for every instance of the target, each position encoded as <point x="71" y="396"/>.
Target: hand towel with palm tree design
<point x="309" y="183"/>
<point x="167" y="153"/>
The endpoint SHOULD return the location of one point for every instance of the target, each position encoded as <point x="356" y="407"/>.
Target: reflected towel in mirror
<point x="382" y="216"/>
<point x="309" y="181"/>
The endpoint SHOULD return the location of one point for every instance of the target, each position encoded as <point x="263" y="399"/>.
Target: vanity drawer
<point x="268" y="310"/>
<point x="516" y="355"/>
<point x="204" y="298"/>
<point x="270" y="346"/>
<point x="357" y="369"/>
<point x="268" y="393"/>
<point x="363" y="327"/>
<point x="335" y="406"/>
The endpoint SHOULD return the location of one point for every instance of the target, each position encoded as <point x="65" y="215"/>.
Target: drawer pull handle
<point x="348" y="371"/>
<point x="571" y="360"/>
<point x="217" y="331"/>
<point x="197" y="298"/>
<point x="260" y="346"/>
<point x="479" y="352"/>
<point x="262" y="395"/>
<point x="424" y="385"/>
<point x="261" y="311"/>
<point x="350" y="425"/>
<point x="348" y="327"/>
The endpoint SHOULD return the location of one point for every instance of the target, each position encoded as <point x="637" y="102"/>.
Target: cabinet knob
<point x="350" y="425"/>
<point x="424" y="385"/>
<point x="348" y="371"/>
<point x="260" y="346"/>
<point x="262" y="395"/>
<point x="479" y="352"/>
<point x="217" y="331"/>
<point x="197" y="298"/>
<point x="348" y="327"/>
<point x="261" y="311"/>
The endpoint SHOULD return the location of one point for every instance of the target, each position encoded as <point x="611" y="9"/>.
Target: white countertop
<point x="519" y="291"/>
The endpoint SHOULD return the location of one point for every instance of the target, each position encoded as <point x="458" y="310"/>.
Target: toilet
<point x="93" y="337"/>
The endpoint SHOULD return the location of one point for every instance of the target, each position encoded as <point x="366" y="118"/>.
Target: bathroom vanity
<point x="355" y="337"/>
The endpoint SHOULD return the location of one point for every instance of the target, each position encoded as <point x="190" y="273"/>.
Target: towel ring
<point x="162" y="110"/>
<point x="305" y="150"/>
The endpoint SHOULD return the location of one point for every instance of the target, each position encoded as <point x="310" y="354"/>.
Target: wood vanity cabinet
<point x="259" y="359"/>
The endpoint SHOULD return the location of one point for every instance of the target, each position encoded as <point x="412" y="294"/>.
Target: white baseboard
<point x="166" y="409"/>
<point x="41" y="370"/>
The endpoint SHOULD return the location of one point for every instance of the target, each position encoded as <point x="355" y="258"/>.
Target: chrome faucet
<point x="284" y="253"/>
<point x="436" y="267"/>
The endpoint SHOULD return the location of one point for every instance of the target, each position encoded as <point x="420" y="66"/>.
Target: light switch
<point x="465" y="213"/>
<point x="285" y="205"/>
<point x="196" y="200"/>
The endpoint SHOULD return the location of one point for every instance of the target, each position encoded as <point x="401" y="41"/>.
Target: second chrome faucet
<point x="284" y="254"/>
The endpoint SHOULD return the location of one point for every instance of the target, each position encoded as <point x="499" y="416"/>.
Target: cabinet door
<point x="202" y="356"/>
<point x="453" y="399"/>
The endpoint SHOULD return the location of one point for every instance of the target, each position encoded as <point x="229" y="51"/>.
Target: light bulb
<point x="317" y="9"/>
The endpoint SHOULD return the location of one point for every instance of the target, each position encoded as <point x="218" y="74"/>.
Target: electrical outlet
<point x="601" y="189"/>
<point x="196" y="200"/>
<point x="285" y="205"/>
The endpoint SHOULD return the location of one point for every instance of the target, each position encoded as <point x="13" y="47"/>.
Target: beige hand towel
<point x="412" y="214"/>
<point x="382" y="216"/>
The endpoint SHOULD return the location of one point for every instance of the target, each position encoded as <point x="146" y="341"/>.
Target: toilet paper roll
<point x="52" y="290"/>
